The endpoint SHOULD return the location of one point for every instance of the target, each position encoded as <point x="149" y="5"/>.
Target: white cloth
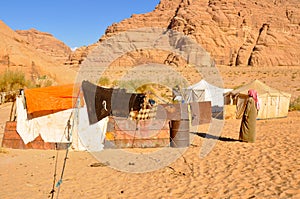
<point x="52" y="127"/>
<point x="91" y="136"/>
<point x="25" y="127"/>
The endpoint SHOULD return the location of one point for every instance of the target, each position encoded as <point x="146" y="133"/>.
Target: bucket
<point x="179" y="133"/>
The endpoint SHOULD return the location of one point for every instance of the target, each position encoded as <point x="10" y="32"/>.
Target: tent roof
<point x="203" y="85"/>
<point x="260" y="87"/>
<point x="207" y="91"/>
<point x="53" y="98"/>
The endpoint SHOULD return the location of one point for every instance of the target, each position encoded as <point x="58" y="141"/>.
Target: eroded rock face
<point x="234" y="32"/>
<point x="39" y="55"/>
<point x="17" y="51"/>
<point x="46" y="43"/>
<point x="78" y="56"/>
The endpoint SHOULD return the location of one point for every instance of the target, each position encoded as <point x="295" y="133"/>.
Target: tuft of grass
<point x="2" y="150"/>
<point x="12" y="80"/>
<point x="295" y="105"/>
<point x="104" y="81"/>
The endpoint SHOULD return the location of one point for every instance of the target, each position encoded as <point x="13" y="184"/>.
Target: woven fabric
<point x="144" y="114"/>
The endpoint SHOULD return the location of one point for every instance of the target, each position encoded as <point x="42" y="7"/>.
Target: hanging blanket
<point x="102" y="102"/>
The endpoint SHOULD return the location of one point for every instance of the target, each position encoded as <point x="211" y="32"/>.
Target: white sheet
<point x="91" y="136"/>
<point x="53" y="128"/>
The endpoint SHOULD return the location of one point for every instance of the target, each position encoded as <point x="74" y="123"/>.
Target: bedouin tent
<point x="273" y="103"/>
<point x="203" y="91"/>
<point x="47" y="112"/>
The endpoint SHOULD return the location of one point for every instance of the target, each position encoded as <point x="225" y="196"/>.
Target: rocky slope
<point x="234" y="32"/>
<point x="15" y="51"/>
<point x="46" y="44"/>
<point x="37" y="54"/>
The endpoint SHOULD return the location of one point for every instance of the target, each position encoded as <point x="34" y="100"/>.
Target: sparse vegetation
<point x="2" y="150"/>
<point x="104" y="81"/>
<point x="115" y="83"/>
<point x="43" y="81"/>
<point x="145" y="88"/>
<point x="295" y="105"/>
<point x="12" y="80"/>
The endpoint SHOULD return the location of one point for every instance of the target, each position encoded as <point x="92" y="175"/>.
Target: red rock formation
<point x="76" y="57"/>
<point x="19" y="52"/>
<point x="46" y="44"/>
<point x="234" y="32"/>
<point x="35" y="53"/>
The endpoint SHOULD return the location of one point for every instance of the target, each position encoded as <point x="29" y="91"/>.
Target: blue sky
<point x="75" y="22"/>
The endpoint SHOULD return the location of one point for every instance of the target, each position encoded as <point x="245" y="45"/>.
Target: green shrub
<point x="12" y="80"/>
<point x="115" y="83"/>
<point x="145" y="88"/>
<point x="2" y="150"/>
<point x="104" y="81"/>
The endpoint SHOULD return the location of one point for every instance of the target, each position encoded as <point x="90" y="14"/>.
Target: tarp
<point x="273" y="103"/>
<point x="53" y="127"/>
<point x="47" y="100"/>
<point x="102" y="102"/>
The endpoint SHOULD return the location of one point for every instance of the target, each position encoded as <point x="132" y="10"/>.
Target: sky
<point x="74" y="22"/>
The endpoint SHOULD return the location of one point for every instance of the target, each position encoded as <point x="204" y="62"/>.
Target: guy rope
<point x="68" y="133"/>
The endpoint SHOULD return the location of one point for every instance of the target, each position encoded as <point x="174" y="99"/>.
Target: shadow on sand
<point x="208" y="136"/>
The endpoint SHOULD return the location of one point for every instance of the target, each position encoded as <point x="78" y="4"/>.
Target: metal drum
<point x="179" y="133"/>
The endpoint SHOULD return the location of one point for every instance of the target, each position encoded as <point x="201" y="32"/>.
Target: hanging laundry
<point x="102" y="102"/>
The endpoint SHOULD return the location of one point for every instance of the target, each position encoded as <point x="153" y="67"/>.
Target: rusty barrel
<point x="179" y="133"/>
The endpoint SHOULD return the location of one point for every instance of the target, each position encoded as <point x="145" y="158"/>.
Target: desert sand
<point x="268" y="168"/>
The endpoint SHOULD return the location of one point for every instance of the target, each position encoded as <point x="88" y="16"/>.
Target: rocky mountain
<point x="46" y="44"/>
<point x="37" y="54"/>
<point x="234" y="32"/>
<point x="77" y="57"/>
<point x="15" y="51"/>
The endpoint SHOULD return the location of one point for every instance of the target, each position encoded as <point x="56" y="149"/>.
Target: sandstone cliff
<point x="46" y="44"/>
<point x="37" y="54"/>
<point x="234" y="32"/>
<point x="15" y="51"/>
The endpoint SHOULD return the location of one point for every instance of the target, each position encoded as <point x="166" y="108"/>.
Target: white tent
<point x="273" y="103"/>
<point x="203" y="91"/>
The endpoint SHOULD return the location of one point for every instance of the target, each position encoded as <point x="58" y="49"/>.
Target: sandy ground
<point x="5" y="110"/>
<point x="268" y="168"/>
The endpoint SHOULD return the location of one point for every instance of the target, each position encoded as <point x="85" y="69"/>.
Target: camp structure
<point x="76" y="116"/>
<point x="273" y="103"/>
<point x="203" y="92"/>
<point x="53" y="117"/>
<point x="90" y="117"/>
